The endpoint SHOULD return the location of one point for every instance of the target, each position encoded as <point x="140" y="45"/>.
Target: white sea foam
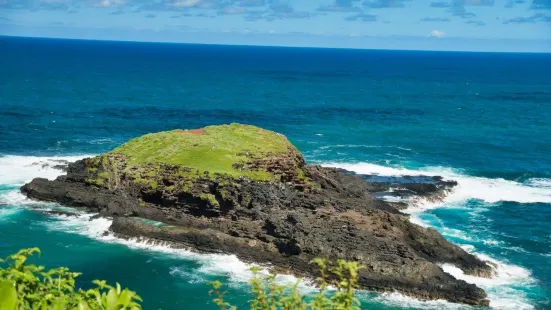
<point x="210" y="264"/>
<point x="101" y="141"/>
<point x="353" y="146"/>
<point x="16" y="170"/>
<point x="99" y="229"/>
<point x="396" y="299"/>
<point x="469" y="187"/>
<point x="13" y="197"/>
<point x="7" y="212"/>
<point x="506" y="274"/>
<point x="456" y="233"/>
<point x="20" y="169"/>
<point x="367" y="146"/>
<point x="540" y="182"/>
<point x="390" y="198"/>
<point x="190" y="276"/>
<point x="493" y="243"/>
<point x="501" y="288"/>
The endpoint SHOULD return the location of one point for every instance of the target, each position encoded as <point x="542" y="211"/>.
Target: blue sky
<point x="494" y="25"/>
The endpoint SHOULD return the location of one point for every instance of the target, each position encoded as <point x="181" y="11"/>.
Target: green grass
<point x="98" y="182"/>
<point x="211" y="200"/>
<point x="215" y="151"/>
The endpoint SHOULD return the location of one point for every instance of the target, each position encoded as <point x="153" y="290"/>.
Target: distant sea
<point x="483" y="119"/>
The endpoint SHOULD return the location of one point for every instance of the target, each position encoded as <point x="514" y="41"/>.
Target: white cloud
<point x="185" y="3"/>
<point x="106" y="3"/>
<point x="437" y="34"/>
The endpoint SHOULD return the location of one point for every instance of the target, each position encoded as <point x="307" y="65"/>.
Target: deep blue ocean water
<point x="483" y="119"/>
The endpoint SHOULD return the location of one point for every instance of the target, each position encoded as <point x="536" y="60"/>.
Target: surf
<point x="17" y="170"/>
<point x="503" y="289"/>
<point x="469" y="187"/>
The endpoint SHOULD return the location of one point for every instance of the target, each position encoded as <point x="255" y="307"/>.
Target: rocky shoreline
<point x="304" y="212"/>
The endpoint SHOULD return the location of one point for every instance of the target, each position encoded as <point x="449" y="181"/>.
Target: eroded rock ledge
<point x="260" y="201"/>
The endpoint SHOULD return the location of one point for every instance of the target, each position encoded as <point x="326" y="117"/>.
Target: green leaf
<point x="125" y="297"/>
<point x="83" y="305"/>
<point x="31" y="287"/>
<point x="60" y="304"/>
<point x="8" y="295"/>
<point x="111" y="300"/>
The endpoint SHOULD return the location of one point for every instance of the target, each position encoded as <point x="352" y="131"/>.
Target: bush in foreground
<point x="29" y="287"/>
<point x="26" y="286"/>
<point x="268" y="295"/>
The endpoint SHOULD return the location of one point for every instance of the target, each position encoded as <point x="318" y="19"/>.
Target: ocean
<point x="483" y="119"/>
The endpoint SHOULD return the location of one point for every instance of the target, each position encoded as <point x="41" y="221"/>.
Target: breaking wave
<point x="502" y="289"/>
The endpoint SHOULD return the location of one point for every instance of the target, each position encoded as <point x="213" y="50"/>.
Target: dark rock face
<point x="270" y="222"/>
<point x="59" y="164"/>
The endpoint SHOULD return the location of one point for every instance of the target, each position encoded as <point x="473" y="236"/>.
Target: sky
<point x="472" y="25"/>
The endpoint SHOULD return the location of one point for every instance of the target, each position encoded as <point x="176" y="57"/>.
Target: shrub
<point x="29" y="287"/>
<point x="26" y="286"/>
<point x="268" y="295"/>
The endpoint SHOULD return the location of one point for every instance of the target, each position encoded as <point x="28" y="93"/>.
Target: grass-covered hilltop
<point x="214" y="152"/>
<point x="236" y="150"/>
<point x="247" y="191"/>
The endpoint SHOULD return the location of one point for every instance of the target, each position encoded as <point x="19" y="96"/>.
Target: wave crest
<point x="469" y="187"/>
<point x="16" y="170"/>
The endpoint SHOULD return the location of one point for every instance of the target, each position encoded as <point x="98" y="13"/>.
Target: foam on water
<point x="456" y="233"/>
<point x="540" y="182"/>
<point x="98" y="229"/>
<point x="503" y="288"/>
<point x="402" y="301"/>
<point x="469" y="187"/>
<point x="210" y="264"/>
<point x="17" y="170"/>
<point x="7" y="212"/>
<point x="15" y="198"/>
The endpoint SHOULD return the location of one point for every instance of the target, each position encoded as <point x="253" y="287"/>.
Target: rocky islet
<point x="244" y="190"/>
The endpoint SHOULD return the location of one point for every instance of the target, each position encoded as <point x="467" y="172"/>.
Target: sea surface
<point x="482" y="119"/>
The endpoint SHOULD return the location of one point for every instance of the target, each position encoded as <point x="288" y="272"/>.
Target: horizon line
<point x="273" y="46"/>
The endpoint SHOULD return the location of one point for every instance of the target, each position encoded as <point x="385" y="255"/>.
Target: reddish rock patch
<point x="198" y="132"/>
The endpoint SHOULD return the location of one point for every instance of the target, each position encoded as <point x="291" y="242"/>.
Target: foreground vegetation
<point x="268" y="295"/>
<point x="29" y="287"/>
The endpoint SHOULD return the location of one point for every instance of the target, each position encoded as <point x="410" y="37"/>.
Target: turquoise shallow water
<point x="481" y="119"/>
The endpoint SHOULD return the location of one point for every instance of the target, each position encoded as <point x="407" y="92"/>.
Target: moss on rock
<point x="211" y="199"/>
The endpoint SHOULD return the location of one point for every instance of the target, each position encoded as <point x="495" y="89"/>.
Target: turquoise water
<point x="481" y="119"/>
